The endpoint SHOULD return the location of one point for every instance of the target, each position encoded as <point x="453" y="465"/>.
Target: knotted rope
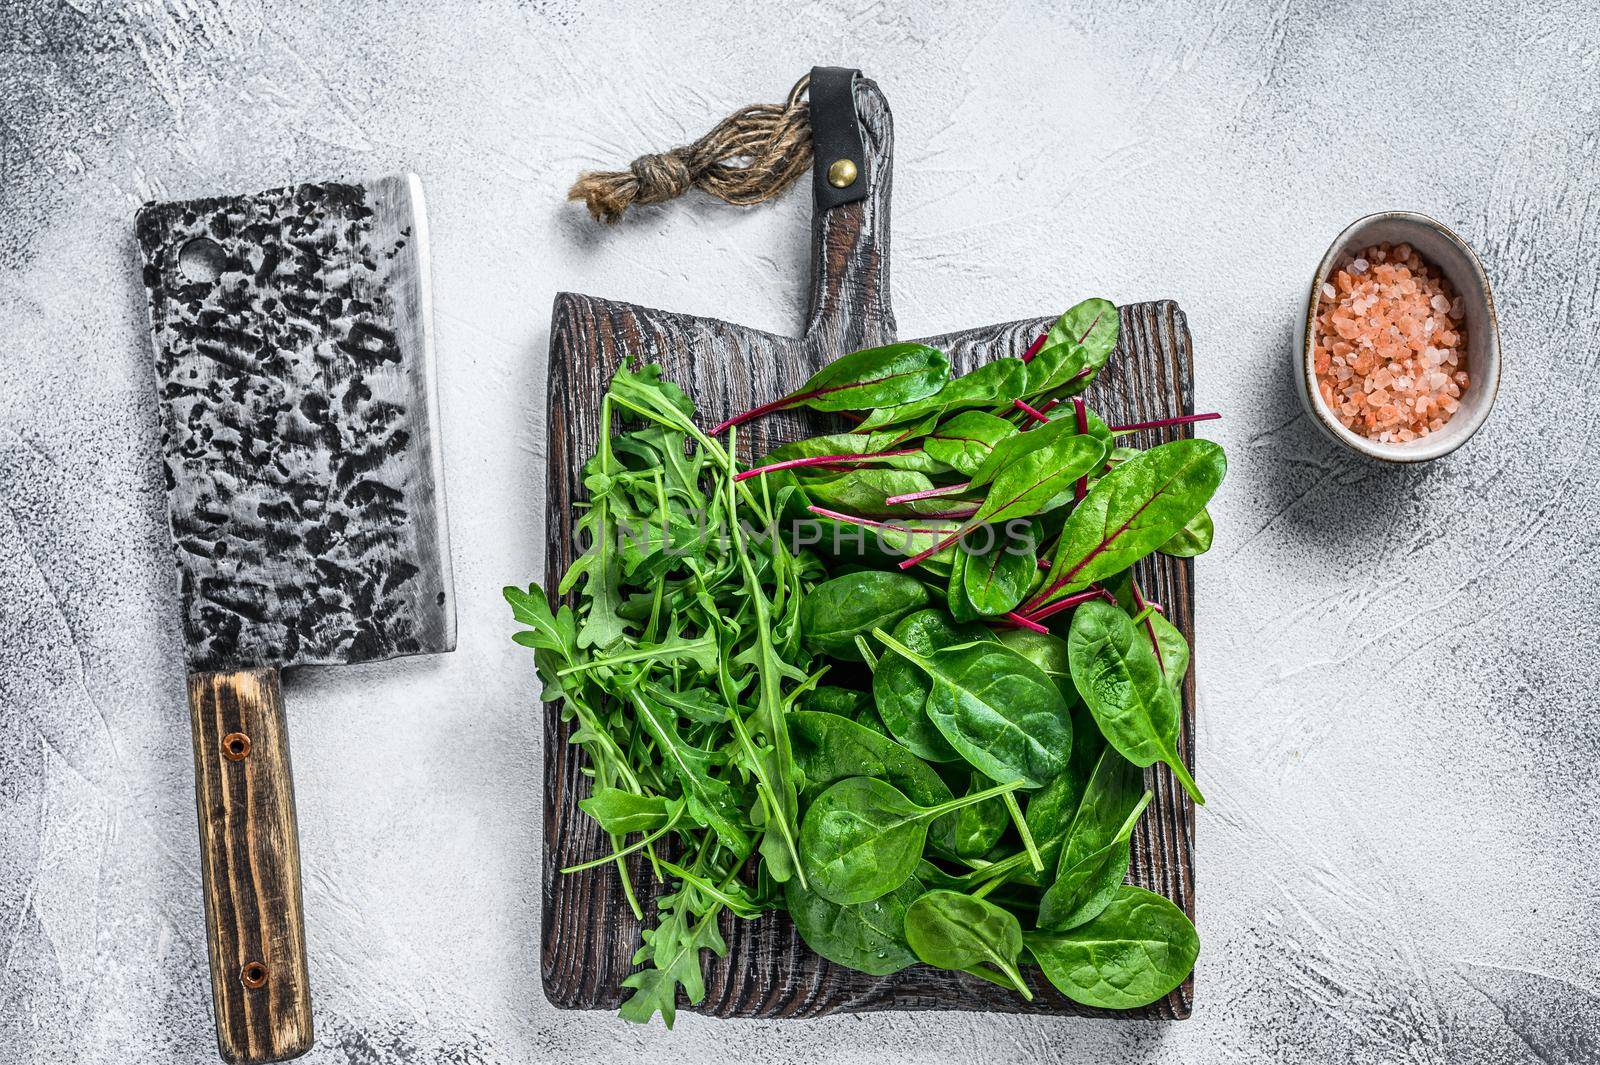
<point x="750" y="156"/>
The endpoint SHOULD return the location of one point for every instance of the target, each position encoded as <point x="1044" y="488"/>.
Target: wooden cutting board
<point x="589" y="933"/>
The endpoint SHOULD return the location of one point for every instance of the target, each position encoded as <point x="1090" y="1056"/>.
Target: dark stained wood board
<point x="589" y="933"/>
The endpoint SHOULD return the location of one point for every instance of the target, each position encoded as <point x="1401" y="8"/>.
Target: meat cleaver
<point x="294" y="363"/>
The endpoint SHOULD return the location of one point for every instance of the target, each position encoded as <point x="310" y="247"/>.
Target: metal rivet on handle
<point x="235" y="746"/>
<point x="842" y="174"/>
<point x="253" y="975"/>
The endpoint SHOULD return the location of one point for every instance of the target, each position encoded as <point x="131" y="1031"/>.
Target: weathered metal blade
<point x="294" y="358"/>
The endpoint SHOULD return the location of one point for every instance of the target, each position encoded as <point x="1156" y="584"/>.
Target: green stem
<point x="804" y="686"/>
<point x="1022" y="830"/>
<point x="770" y="703"/>
<point x="933" y="812"/>
<point x="644" y="654"/>
<point x="1181" y="771"/>
<point x="866" y="652"/>
<point x="617" y="856"/>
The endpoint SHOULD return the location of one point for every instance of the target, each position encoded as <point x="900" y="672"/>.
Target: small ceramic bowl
<point x="1451" y="256"/>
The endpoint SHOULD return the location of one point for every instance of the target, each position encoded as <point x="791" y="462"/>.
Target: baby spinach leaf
<point x="979" y="827"/>
<point x="1191" y="540"/>
<point x="950" y="930"/>
<point x="1116" y="674"/>
<point x="997" y="709"/>
<point x="1046" y="651"/>
<point x="829" y="748"/>
<point x="965" y="441"/>
<point x="900" y="689"/>
<point x="835" y="612"/>
<point x="1052" y="808"/>
<point x="996" y="381"/>
<point x="862" y="838"/>
<point x="1171" y="649"/>
<point x="831" y="699"/>
<point x="1138" y="949"/>
<point x="1094" y="858"/>
<point x="1086" y="886"/>
<point x="1131" y="511"/>
<point x="869" y="936"/>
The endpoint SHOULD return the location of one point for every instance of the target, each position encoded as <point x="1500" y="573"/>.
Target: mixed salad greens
<point x="898" y="680"/>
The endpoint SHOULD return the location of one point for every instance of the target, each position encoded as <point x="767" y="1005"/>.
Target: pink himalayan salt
<point x="1390" y="347"/>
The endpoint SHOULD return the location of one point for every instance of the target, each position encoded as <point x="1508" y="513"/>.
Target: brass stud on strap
<point x="842" y="174"/>
<point x="253" y="975"/>
<point x="235" y="746"/>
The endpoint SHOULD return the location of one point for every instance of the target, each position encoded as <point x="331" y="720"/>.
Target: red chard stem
<point x="1023" y="623"/>
<point x="1081" y="411"/>
<point x="1029" y="411"/>
<point x="822" y="460"/>
<point x="1163" y="423"/>
<point x="929" y="493"/>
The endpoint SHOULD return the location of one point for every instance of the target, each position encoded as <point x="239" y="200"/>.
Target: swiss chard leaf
<point x="999" y="380"/>
<point x="866" y="492"/>
<point x="1191" y="540"/>
<point x="877" y="377"/>
<point x="964" y="442"/>
<point x="1039" y="480"/>
<point x="1132" y="511"/>
<point x="1001" y="566"/>
<point x="1013" y="449"/>
<point x="1075" y="348"/>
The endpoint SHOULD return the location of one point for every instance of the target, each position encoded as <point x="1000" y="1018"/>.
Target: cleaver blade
<point x="294" y="372"/>
<point x="294" y="362"/>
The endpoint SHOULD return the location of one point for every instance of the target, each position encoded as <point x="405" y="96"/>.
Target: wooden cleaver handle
<point x="250" y="866"/>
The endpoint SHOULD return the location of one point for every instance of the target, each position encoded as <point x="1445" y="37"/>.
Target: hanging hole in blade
<point x="201" y="260"/>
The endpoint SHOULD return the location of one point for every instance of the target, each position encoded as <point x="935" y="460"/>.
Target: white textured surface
<point x="1398" y="712"/>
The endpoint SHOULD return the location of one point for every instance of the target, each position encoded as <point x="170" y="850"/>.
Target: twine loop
<point x="747" y="158"/>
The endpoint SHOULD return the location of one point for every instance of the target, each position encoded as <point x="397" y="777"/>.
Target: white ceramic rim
<point x="1485" y="367"/>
